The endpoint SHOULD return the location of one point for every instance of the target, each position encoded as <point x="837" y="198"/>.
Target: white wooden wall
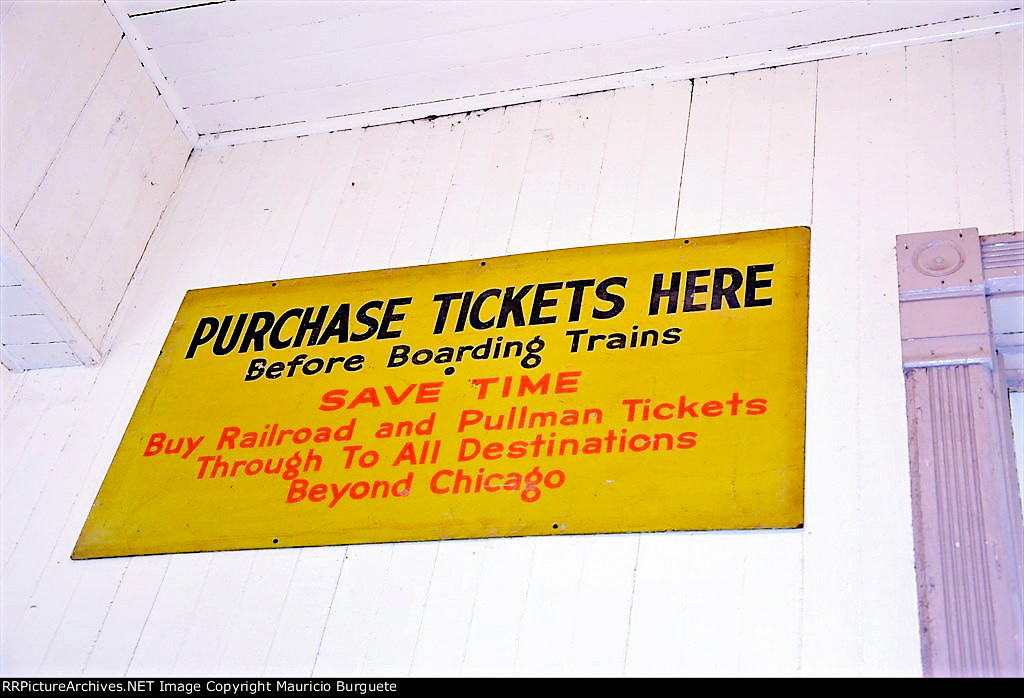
<point x="89" y="157"/>
<point x="860" y="148"/>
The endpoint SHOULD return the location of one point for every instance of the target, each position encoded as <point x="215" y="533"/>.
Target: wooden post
<point x="967" y="512"/>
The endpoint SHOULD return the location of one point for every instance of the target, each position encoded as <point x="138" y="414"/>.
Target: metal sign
<point x="638" y="387"/>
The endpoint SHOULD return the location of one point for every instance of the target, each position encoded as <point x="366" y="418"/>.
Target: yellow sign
<point x="638" y="387"/>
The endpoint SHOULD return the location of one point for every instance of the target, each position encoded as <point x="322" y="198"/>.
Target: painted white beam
<point x="37" y="330"/>
<point x="138" y="44"/>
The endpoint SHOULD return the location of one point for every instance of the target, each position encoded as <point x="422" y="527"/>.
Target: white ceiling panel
<point x="337" y="36"/>
<point x="244" y="70"/>
<point x="196" y="22"/>
<point x="137" y="7"/>
<point x="14" y="300"/>
<point x="372" y="56"/>
<point x="24" y="357"/>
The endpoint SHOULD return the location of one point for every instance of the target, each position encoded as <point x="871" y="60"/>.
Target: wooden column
<point x="967" y="511"/>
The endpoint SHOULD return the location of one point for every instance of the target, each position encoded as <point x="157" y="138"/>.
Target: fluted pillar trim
<point x="967" y="512"/>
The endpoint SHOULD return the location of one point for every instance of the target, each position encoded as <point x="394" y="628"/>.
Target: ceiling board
<point x="607" y="29"/>
<point x="145" y="7"/>
<point x="236" y="17"/>
<point x="338" y="36"/>
<point x="246" y="70"/>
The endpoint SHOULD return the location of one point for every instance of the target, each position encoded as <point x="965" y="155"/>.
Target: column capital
<point x="943" y="312"/>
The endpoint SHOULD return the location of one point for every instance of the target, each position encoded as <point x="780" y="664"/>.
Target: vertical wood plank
<point x="704" y="163"/>
<point x="933" y="201"/>
<point x="660" y="179"/>
<point x="249" y="619"/>
<point x="25" y="558"/>
<point x="212" y="625"/>
<point x="503" y="183"/>
<point x="573" y="217"/>
<point x="830" y="570"/>
<point x="442" y="639"/>
<point x="240" y="197"/>
<point x="542" y="176"/>
<point x="465" y="194"/>
<point x="498" y="603"/>
<point x="292" y="166"/>
<point x="165" y="631"/>
<point x="42" y="558"/>
<point x="81" y="458"/>
<point x="126" y="614"/>
<point x="332" y="177"/>
<point x="353" y="215"/>
<point x="885" y="556"/>
<point x="981" y="123"/>
<point x="296" y="638"/>
<point x="600" y="611"/>
<point x="390" y="637"/>
<point x="415" y="238"/>
<point x="342" y="650"/>
<point x="860" y="207"/>
<point x="620" y="167"/>
<point x="392" y="200"/>
<point x="1011" y="51"/>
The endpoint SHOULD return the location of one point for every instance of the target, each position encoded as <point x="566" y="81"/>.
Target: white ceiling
<point x="245" y="70"/>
